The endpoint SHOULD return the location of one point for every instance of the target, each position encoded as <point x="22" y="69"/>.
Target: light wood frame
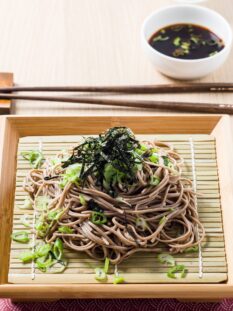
<point x="14" y="127"/>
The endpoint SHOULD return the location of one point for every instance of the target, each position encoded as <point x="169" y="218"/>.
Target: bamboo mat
<point x="199" y="154"/>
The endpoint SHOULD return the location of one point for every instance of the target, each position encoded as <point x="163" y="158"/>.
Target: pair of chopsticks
<point x="8" y="93"/>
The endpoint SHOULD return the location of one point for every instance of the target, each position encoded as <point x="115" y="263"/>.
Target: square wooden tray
<point x="15" y="127"/>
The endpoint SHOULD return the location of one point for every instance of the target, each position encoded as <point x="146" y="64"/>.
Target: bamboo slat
<point x="142" y="267"/>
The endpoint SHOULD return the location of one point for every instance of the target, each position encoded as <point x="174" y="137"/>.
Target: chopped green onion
<point x="177" y="41"/>
<point x="118" y="279"/>
<point x="111" y="176"/>
<point x="57" y="266"/>
<point x="42" y="263"/>
<point x="98" y="218"/>
<point x="178" y="268"/>
<point x="106" y="265"/>
<point x="34" y="157"/>
<point x="71" y="175"/>
<point x="100" y="275"/>
<point x="154" y="158"/>
<point x="141" y="223"/>
<point x="166" y="258"/>
<point x="163" y="220"/>
<point x="58" y="249"/>
<point x="160" y="38"/>
<point x="185" y="45"/>
<point x="195" y="39"/>
<point x="42" y="250"/>
<point x="82" y="199"/>
<point x="65" y="229"/>
<point x="165" y="160"/>
<point x="41" y="227"/>
<point x="120" y="199"/>
<point x="20" y="236"/>
<point x="179" y="52"/>
<point x="42" y="202"/>
<point x="154" y="180"/>
<point x="143" y="147"/>
<point x="24" y="221"/>
<point x="192" y="249"/>
<point x="26" y="256"/>
<point x="27" y="204"/>
<point x="55" y="215"/>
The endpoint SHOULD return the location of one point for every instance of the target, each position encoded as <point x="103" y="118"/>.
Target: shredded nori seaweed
<point x="115" y="146"/>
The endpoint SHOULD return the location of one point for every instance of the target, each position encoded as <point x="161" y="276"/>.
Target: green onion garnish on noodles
<point x="163" y="220"/>
<point x="166" y="258"/>
<point x="111" y="155"/>
<point x="41" y="227"/>
<point x="154" y="180"/>
<point x="65" y="229"/>
<point x="34" y="157"/>
<point x="42" y="202"/>
<point x="141" y="223"/>
<point x="72" y="175"/>
<point x="55" y="215"/>
<point x="98" y="218"/>
<point x="154" y="158"/>
<point x="20" y="236"/>
<point x="82" y="199"/>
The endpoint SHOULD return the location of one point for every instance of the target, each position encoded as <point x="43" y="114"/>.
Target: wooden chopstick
<point x="175" y="106"/>
<point x="129" y="89"/>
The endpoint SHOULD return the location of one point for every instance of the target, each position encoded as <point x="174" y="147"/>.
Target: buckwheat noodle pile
<point x="113" y="196"/>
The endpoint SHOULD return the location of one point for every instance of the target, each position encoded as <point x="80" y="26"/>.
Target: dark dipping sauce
<point x="186" y="41"/>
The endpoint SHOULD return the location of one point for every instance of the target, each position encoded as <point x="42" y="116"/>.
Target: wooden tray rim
<point x="48" y="291"/>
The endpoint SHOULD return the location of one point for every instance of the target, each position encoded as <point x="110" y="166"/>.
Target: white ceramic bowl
<point x="192" y="14"/>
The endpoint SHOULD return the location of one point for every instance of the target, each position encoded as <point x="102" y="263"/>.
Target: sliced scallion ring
<point x="57" y="266"/>
<point x="43" y="250"/>
<point x="26" y="256"/>
<point x="20" y="236"/>
<point x="166" y="258"/>
<point x="118" y="279"/>
<point x="58" y="249"/>
<point x="100" y="275"/>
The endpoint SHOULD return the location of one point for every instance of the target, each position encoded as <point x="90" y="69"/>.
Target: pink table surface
<point x="116" y="305"/>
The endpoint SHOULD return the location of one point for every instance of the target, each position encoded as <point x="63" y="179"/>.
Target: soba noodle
<point x="156" y="208"/>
